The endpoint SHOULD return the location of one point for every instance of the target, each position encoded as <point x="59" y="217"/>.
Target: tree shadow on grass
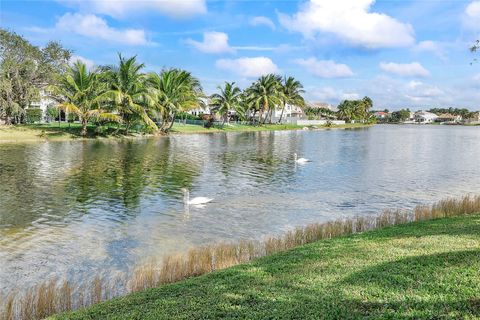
<point x="293" y="285"/>
<point x="423" y="287"/>
<point x="443" y="285"/>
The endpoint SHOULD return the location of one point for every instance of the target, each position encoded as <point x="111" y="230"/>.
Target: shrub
<point x="33" y="115"/>
<point x="52" y="113"/>
<point x="72" y="117"/>
<point x="188" y="116"/>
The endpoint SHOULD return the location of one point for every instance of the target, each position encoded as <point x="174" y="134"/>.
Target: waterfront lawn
<point x="51" y="131"/>
<point x="66" y="131"/>
<point x="422" y="270"/>
<point x="191" y="128"/>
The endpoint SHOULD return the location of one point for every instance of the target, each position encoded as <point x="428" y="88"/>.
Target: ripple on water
<point x="77" y="208"/>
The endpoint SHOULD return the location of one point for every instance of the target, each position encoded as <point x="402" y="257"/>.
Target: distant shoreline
<point x="47" y="133"/>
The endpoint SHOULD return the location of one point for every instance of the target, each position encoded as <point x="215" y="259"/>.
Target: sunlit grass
<point x="192" y="128"/>
<point x="53" y="297"/>
<point x="68" y="131"/>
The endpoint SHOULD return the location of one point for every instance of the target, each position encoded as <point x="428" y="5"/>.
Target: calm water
<point x="78" y="208"/>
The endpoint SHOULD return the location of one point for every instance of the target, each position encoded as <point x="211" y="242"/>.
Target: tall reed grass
<point x="54" y="297"/>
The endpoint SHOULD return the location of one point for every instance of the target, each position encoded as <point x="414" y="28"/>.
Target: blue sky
<point x="400" y="53"/>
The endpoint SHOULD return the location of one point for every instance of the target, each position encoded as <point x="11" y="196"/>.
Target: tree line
<point x="348" y="110"/>
<point x="125" y="94"/>
<point x="24" y="69"/>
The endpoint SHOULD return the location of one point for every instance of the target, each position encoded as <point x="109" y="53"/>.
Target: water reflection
<point x="71" y="208"/>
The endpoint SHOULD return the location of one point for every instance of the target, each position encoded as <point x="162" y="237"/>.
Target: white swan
<point x="194" y="201"/>
<point x="300" y="160"/>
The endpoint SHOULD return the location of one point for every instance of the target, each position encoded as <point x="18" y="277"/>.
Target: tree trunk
<point x="253" y="116"/>
<point x="266" y="116"/>
<point x="83" y="133"/>
<point x="266" y="109"/>
<point x="271" y="115"/>
<point x="170" y="125"/>
<point x="281" y="114"/>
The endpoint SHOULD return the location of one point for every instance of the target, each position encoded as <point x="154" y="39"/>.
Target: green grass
<point x="65" y="131"/>
<point x="52" y="132"/>
<point x="421" y="270"/>
<point x="190" y="128"/>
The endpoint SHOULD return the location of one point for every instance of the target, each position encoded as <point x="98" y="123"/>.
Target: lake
<point x="73" y="209"/>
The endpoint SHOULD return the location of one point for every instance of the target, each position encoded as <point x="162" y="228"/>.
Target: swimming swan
<point x="300" y="160"/>
<point x="194" y="201"/>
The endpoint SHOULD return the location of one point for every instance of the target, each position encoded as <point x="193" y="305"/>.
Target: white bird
<point x="300" y="160"/>
<point x="196" y="200"/>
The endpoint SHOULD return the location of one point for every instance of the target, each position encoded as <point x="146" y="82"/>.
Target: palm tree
<point x="265" y="94"/>
<point x="128" y="92"/>
<point x="77" y="91"/>
<point x="174" y="90"/>
<point x="367" y="105"/>
<point x="228" y="99"/>
<point x="292" y="94"/>
<point x="347" y="110"/>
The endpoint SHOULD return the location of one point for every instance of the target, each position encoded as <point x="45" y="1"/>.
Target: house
<point x="201" y="108"/>
<point x="290" y="112"/>
<point x="425" y="117"/>
<point x="447" y="117"/>
<point x="44" y="103"/>
<point x="381" y="115"/>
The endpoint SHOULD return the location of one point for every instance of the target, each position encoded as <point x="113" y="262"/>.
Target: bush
<point x="52" y="113"/>
<point x="188" y="116"/>
<point x="72" y="117"/>
<point x="33" y="115"/>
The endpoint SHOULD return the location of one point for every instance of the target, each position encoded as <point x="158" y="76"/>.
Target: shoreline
<point x="38" y="134"/>
<point x="397" y="272"/>
<point x="180" y="270"/>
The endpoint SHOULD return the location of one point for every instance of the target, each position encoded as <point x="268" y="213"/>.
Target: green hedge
<point x="186" y="115"/>
<point x="33" y="115"/>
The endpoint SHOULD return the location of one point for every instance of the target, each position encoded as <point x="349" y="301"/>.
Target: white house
<point x="289" y="112"/>
<point x="44" y="103"/>
<point x="425" y="117"/>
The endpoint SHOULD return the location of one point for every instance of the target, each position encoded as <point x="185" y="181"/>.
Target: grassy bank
<point x="427" y="269"/>
<point x="189" y="128"/>
<point x="55" y="132"/>
<point x="277" y="284"/>
<point x="64" y="131"/>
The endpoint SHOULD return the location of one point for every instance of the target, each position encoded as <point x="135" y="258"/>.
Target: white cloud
<point x="431" y="47"/>
<point x="413" y="69"/>
<point x="418" y="91"/>
<point x="91" y="26"/>
<point x="262" y="21"/>
<point x="255" y="48"/>
<point x="350" y="20"/>
<point x="472" y="15"/>
<point x="331" y="95"/>
<point x="325" y="68"/>
<point x="427" y="45"/>
<point x="213" y="42"/>
<point x="89" y="63"/>
<point x="248" y="67"/>
<point x="124" y="8"/>
<point x="394" y="93"/>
